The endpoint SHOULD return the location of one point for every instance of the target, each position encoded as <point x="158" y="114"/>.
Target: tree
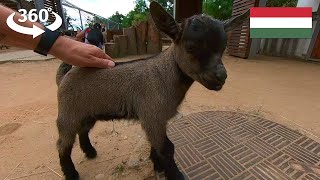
<point x="282" y="3"/>
<point x="117" y="17"/>
<point x="219" y="9"/>
<point x="140" y="12"/>
<point x="167" y="4"/>
<point x="222" y="9"/>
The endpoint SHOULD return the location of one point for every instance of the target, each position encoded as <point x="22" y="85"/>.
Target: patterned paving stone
<point x="231" y="145"/>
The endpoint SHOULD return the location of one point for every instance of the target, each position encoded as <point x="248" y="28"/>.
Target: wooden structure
<point x="11" y="4"/>
<point x="18" y="4"/>
<point x="132" y="40"/>
<point x="313" y="52"/>
<point x="56" y="7"/>
<point x="141" y="32"/>
<point x="187" y="9"/>
<point x="142" y="38"/>
<point x="307" y="49"/>
<point x="239" y="43"/>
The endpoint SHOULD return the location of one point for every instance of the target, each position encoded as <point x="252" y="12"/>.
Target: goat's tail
<point x="62" y="70"/>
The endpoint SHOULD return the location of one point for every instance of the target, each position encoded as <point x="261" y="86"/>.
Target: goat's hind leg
<point x="64" y="144"/>
<point x="84" y="139"/>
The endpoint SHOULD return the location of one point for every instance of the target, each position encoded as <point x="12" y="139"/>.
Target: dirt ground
<point x="11" y="49"/>
<point x="285" y="91"/>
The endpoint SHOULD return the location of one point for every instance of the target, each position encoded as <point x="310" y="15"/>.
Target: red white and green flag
<point x="280" y="22"/>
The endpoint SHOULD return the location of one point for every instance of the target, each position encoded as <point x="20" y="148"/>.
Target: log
<point x="112" y="49"/>
<point x="154" y="43"/>
<point x="132" y="40"/>
<point x="111" y="33"/>
<point x="141" y="32"/>
<point x="122" y="42"/>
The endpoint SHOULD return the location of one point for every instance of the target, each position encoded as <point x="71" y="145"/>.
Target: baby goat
<point x="149" y="90"/>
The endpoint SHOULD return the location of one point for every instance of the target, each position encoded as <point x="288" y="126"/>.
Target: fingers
<point x="108" y="57"/>
<point x="102" y="63"/>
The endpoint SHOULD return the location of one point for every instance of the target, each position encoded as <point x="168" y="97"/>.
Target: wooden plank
<point x="141" y="32"/>
<point x="316" y="49"/>
<point x="122" y="42"/>
<point x="284" y="47"/>
<point x="132" y="40"/>
<point x="154" y="43"/>
<point x="294" y="47"/>
<point x="112" y="49"/>
<point x="187" y="9"/>
<point x="246" y="4"/>
<point x="239" y="42"/>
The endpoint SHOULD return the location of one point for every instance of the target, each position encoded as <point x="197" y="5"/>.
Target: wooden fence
<point x="239" y="40"/>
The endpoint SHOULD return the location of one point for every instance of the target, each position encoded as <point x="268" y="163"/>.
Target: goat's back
<point x="122" y="89"/>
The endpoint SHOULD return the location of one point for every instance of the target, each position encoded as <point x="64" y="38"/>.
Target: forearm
<point x="10" y="37"/>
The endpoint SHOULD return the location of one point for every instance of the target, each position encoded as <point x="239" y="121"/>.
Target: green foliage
<point x="222" y="9"/>
<point x="167" y="4"/>
<point x="219" y="9"/>
<point x="140" y="12"/>
<point x="117" y="17"/>
<point x="282" y="3"/>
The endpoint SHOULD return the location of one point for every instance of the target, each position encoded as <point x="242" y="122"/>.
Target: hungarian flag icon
<point x="282" y="22"/>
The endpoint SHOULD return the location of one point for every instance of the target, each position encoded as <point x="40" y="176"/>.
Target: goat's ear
<point x="234" y="22"/>
<point x="164" y="21"/>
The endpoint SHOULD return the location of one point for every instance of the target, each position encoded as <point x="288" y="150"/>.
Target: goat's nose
<point x="221" y="73"/>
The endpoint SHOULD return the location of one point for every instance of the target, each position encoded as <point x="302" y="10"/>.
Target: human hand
<point x="80" y="54"/>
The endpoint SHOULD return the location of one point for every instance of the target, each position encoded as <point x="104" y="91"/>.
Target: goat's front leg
<point x="162" y="150"/>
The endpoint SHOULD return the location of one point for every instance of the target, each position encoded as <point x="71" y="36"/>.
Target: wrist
<point x="58" y="46"/>
<point x="46" y="42"/>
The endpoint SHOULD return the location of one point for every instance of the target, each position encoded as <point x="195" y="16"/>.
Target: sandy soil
<point x="285" y="91"/>
<point x="11" y="49"/>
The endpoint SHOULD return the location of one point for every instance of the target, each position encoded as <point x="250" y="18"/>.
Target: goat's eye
<point x="192" y="46"/>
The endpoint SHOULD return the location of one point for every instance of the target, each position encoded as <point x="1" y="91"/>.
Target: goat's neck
<point x="176" y="80"/>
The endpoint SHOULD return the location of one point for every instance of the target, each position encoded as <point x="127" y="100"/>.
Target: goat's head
<point x="199" y="43"/>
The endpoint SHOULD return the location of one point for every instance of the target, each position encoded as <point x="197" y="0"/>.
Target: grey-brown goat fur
<point x="149" y="90"/>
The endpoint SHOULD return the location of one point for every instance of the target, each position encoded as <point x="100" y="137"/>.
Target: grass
<point x="119" y="169"/>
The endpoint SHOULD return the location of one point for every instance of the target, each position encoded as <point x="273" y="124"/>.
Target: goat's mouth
<point x="216" y="86"/>
<point x="211" y="83"/>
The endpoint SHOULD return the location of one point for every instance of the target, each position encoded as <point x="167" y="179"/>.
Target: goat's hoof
<point x="158" y="168"/>
<point x="178" y="176"/>
<point x="72" y="176"/>
<point x="91" y="154"/>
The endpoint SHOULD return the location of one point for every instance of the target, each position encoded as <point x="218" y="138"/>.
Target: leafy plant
<point x="219" y="9"/>
<point x="282" y="3"/>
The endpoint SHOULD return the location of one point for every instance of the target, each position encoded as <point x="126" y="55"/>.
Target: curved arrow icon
<point x="56" y="24"/>
<point x="34" y="31"/>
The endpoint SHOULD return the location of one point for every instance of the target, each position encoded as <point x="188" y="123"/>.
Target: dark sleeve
<point x="101" y="38"/>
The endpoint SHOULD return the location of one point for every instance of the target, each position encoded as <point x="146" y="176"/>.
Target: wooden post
<point x="184" y="10"/>
<point x="141" y="32"/>
<point x="112" y="49"/>
<point x="154" y="43"/>
<point x="81" y="19"/>
<point x="132" y="40"/>
<point x="121" y="41"/>
<point x="59" y="7"/>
